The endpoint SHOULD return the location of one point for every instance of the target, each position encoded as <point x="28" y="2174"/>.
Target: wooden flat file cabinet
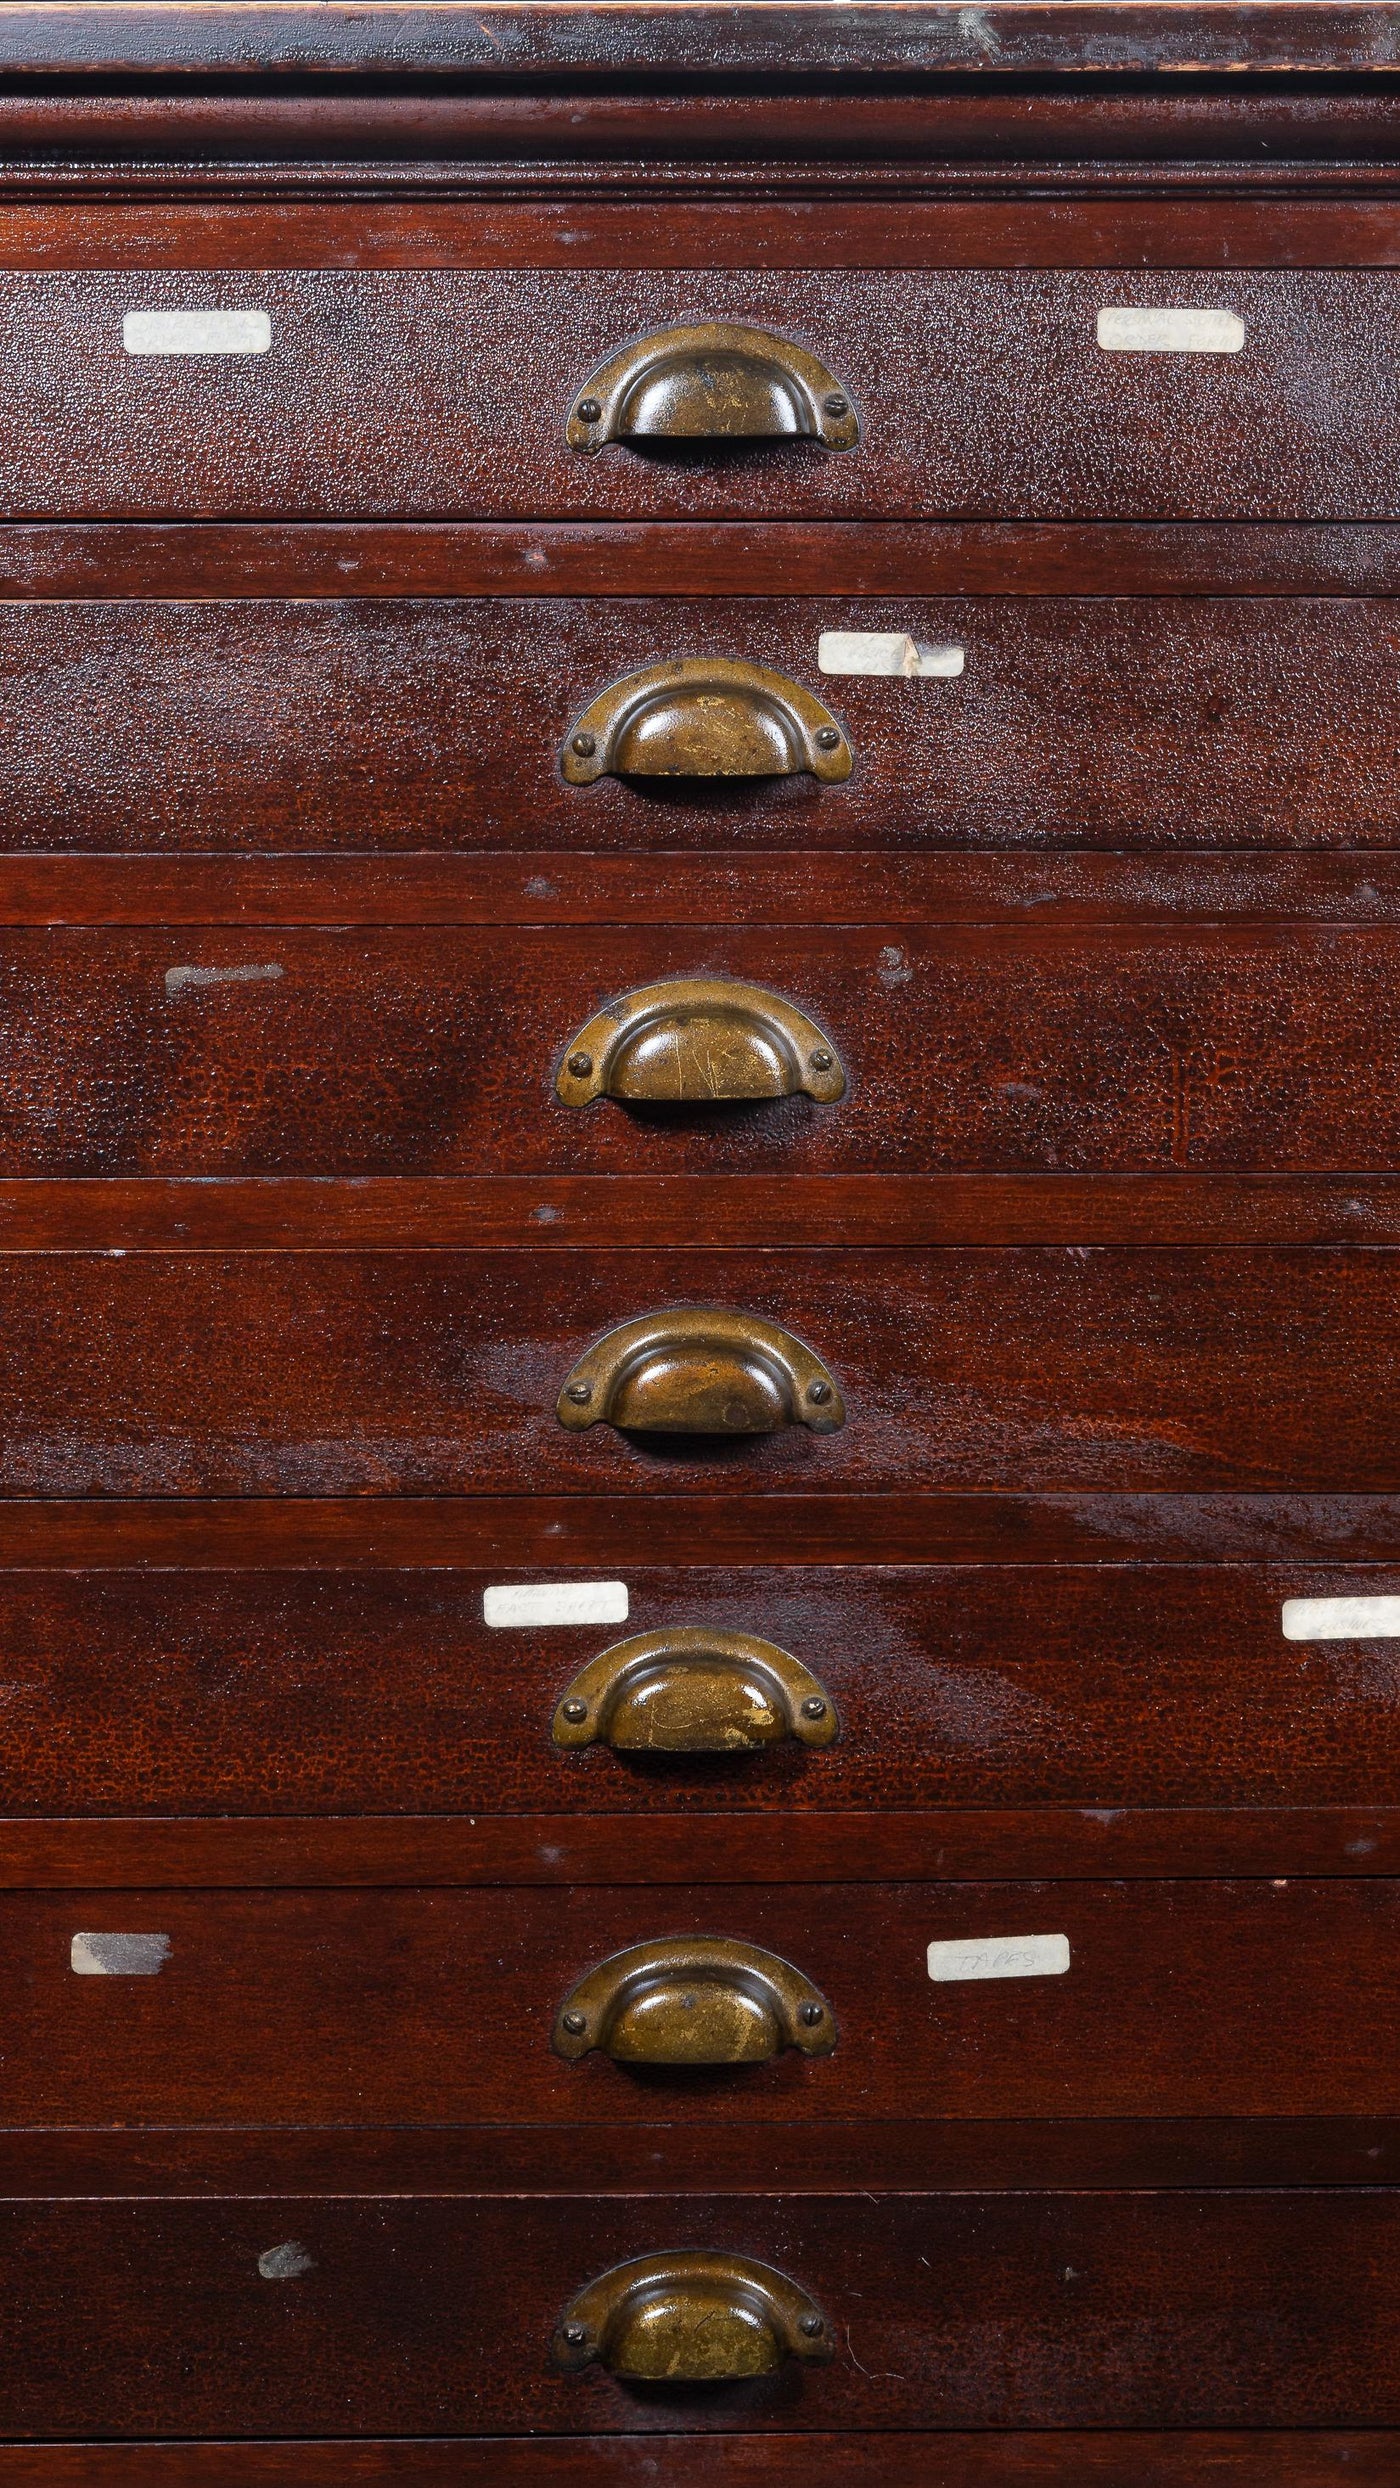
<point x="700" y="1244"/>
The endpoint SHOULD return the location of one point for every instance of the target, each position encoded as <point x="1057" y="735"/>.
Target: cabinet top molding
<point x="699" y="39"/>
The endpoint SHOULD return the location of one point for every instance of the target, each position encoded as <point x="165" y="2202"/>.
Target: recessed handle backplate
<point x="700" y="1369"/>
<point x="700" y="1040"/>
<point x="689" y="2000"/>
<point x="688" y="1690"/>
<point x="705" y="717"/>
<point x="691" y="2317"/>
<point x="712" y="382"/>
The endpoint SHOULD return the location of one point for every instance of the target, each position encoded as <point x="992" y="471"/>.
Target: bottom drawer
<point x="895" y="2458"/>
<point x="440" y="2316"/>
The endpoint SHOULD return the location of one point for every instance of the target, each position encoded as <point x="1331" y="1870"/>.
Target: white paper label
<point x="1341" y="1619"/>
<point x="118" y="1956"/>
<point x="1124" y="331"/>
<point x="892" y="653"/>
<point x="196" y="332"/>
<point x="558" y="1602"/>
<point x="1000" y="1956"/>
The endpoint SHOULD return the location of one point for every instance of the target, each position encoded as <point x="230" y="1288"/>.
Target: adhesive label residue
<point x="1125" y="331"/>
<point x="118" y="1956"/>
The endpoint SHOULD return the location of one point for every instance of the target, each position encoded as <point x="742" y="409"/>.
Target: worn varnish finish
<point x="284" y="2008"/>
<point x="378" y="1692"/>
<point x="707" y="44"/>
<point x="437" y="1373"/>
<point x="408" y="724"/>
<point x="415" y="1052"/>
<point x="982" y="393"/>
<point x="1235" y="2309"/>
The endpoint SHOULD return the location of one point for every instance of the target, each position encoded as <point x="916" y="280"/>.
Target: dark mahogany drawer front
<point x="317" y="1373"/>
<point x="285" y="1693"/>
<point x="448" y="393"/>
<point x="1160" y="721"/>
<point x="1181" y="1999"/>
<point x="416" y="2316"/>
<point x="425" y="2316"/>
<point x="435" y="1052"/>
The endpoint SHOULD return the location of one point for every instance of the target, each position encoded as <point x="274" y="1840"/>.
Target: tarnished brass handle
<point x="699" y="1369"/>
<point x="686" y="1690"/>
<point x="700" y="1039"/>
<point x="713" y="383"/>
<point x="705" y="717"/>
<point x="694" y="2000"/>
<point x="692" y="2317"/>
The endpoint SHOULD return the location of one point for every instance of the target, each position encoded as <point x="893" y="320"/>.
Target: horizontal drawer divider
<point x="755" y="1213"/>
<point x="810" y="2154"/>
<point x="569" y="1532"/>
<point x="705" y="890"/>
<point x="99" y="559"/>
<point x="408" y="233"/>
<point x="957" y="1844"/>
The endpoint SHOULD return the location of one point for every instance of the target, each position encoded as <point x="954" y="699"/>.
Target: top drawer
<point x="447" y="393"/>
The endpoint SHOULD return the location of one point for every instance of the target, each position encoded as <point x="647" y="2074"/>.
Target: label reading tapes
<point x="557" y="1602"/>
<point x="1000" y="1956"/>
<point x="196" y="332"/>
<point x="1129" y="331"/>
<point x="1341" y="1619"/>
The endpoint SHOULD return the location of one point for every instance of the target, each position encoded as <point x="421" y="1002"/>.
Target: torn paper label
<point x="892" y="653"/>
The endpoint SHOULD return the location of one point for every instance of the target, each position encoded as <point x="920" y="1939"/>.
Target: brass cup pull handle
<point x="700" y="1369"/>
<point x="693" y="2000"/>
<point x="712" y="382"/>
<point x="692" y="2317"/>
<point x="686" y="1690"/>
<point x="700" y="1040"/>
<point x="705" y="717"/>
